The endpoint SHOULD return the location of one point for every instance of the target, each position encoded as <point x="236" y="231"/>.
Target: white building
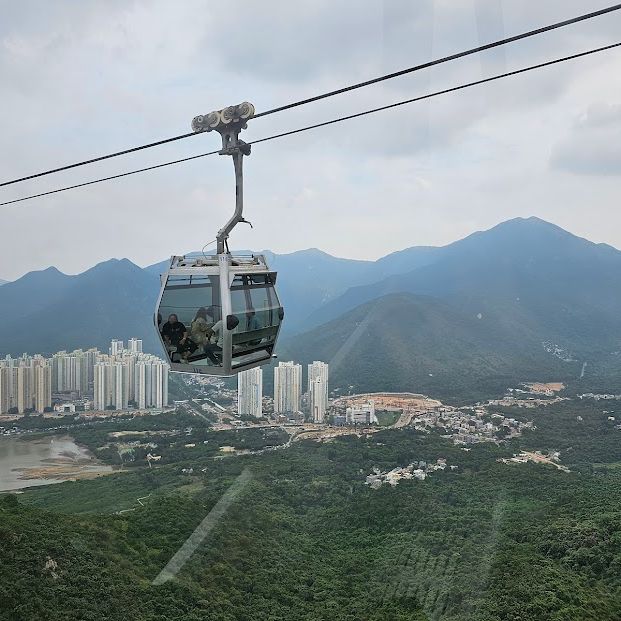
<point x="318" y="390"/>
<point x="42" y="387"/>
<point x="159" y="384"/>
<point x="102" y="395"/>
<point x="70" y="372"/>
<point x="287" y="387"/>
<point x="250" y="392"/>
<point x="361" y="414"/>
<point x="24" y="388"/>
<point x="5" y="394"/>
<point x="130" y="377"/>
<point x="116" y="347"/>
<point x="13" y="384"/>
<point x="135" y="346"/>
<point x="26" y="385"/>
<point x="120" y="387"/>
<point x="151" y="382"/>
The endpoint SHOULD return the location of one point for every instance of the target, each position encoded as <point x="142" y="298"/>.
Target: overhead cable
<point x="333" y="121"/>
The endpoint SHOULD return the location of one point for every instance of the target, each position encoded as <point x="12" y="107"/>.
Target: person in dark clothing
<point x="174" y="333"/>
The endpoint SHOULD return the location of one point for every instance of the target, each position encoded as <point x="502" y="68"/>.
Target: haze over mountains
<point x="45" y="311"/>
<point x="524" y="300"/>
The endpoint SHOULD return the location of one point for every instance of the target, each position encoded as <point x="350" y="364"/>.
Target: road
<point x="404" y="419"/>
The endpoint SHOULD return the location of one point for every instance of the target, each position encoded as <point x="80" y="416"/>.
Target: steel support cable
<point x="445" y="59"/>
<point x="437" y="93"/>
<point x="382" y="78"/>
<point x="125" y="174"/>
<point x="333" y="121"/>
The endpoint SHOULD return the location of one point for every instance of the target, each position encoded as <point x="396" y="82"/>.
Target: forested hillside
<point x="420" y="343"/>
<point x="306" y="539"/>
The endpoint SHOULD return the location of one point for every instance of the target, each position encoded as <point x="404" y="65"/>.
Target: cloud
<point x="593" y="147"/>
<point x="80" y="79"/>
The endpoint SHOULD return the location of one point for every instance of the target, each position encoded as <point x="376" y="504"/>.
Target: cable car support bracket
<point x="228" y="123"/>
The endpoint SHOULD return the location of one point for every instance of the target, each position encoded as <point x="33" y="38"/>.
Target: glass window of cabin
<point x="188" y="318"/>
<point x="257" y="308"/>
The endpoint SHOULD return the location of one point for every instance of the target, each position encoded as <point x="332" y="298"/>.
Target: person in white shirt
<point x="215" y="338"/>
<point x="218" y="333"/>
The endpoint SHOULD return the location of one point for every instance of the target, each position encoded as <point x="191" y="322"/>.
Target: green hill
<point x="422" y="344"/>
<point x="524" y="300"/>
<point x="529" y="270"/>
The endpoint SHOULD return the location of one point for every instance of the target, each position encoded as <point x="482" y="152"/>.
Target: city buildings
<point x="116" y="381"/>
<point x="318" y="390"/>
<point x="150" y="382"/>
<point x="250" y="392"/>
<point x="25" y="385"/>
<point x="73" y="372"/>
<point x="130" y="377"/>
<point x="287" y="388"/>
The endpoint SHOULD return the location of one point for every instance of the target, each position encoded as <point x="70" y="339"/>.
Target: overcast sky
<point x="85" y="78"/>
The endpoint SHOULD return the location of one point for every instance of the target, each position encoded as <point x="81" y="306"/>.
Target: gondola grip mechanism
<point x="229" y="122"/>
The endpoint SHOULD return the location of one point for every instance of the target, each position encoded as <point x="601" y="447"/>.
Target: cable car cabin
<point x="219" y="314"/>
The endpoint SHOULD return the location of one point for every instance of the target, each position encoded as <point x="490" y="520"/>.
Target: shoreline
<point x="73" y="462"/>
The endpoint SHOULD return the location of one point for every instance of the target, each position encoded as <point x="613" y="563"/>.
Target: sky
<point x="80" y="79"/>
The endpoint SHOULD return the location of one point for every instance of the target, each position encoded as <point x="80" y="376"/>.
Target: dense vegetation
<point x="581" y="430"/>
<point x="306" y="539"/>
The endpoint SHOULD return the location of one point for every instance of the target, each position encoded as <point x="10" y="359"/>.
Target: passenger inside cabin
<point x="174" y="333"/>
<point x="213" y="349"/>
<point x="252" y="323"/>
<point x="217" y="328"/>
<point x="200" y="329"/>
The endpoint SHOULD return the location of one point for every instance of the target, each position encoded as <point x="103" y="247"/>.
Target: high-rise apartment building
<point x="318" y="390"/>
<point x="135" y="346"/>
<point x="42" y="387"/>
<point x="159" y="384"/>
<point x="13" y="384"/>
<point x="111" y="388"/>
<point x="91" y="359"/>
<point x="287" y="387"/>
<point x="5" y="395"/>
<point x="250" y="392"/>
<point x="24" y="388"/>
<point x="28" y="385"/>
<point x="151" y="382"/>
<point x="116" y="347"/>
<point x="102" y="398"/>
<point x="70" y="372"/>
<point x="130" y="377"/>
<point x="120" y="388"/>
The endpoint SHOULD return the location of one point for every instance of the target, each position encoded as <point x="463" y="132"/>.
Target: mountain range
<point x="525" y="300"/>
